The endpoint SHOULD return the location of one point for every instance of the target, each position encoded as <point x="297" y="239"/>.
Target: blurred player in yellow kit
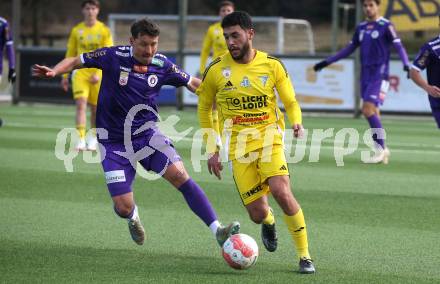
<point x="215" y="41"/>
<point x="242" y="83"/>
<point x="87" y="36"/>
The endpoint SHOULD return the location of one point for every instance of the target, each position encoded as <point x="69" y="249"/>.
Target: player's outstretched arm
<point x="343" y="53"/>
<point x="64" y="66"/>
<point x="193" y="84"/>
<point x="433" y="91"/>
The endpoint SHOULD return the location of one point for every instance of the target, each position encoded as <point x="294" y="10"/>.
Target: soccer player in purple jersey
<point x="374" y="37"/>
<point x="429" y="58"/>
<point x="6" y="40"/>
<point x="127" y="110"/>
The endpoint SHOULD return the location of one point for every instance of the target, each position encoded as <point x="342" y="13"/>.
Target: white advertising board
<point x="404" y="95"/>
<point x="333" y="87"/>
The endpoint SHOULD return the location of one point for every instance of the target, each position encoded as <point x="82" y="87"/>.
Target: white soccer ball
<point x="240" y="251"/>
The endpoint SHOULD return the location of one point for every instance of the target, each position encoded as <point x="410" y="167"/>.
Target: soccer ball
<point x="240" y="251"/>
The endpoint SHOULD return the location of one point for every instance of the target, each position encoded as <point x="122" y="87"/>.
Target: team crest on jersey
<point x="263" y="79"/>
<point x="375" y="34"/>
<point x="123" y="78"/>
<point x="226" y="72"/>
<point x="152" y="80"/>
<point x="245" y="82"/>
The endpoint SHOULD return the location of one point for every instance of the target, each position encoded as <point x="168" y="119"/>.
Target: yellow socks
<point x="81" y="131"/>
<point x="297" y="229"/>
<point x="270" y="219"/>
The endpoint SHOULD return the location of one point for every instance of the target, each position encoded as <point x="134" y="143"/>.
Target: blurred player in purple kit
<point x="6" y="41"/>
<point x="374" y="37"/>
<point x="429" y="58"/>
<point x="132" y="78"/>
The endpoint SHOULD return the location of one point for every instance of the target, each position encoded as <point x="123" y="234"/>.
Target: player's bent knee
<point x="123" y="204"/>
<point x="368" y="110"/>
<point x="176" y="174"/>
<point x="123" y="210"/>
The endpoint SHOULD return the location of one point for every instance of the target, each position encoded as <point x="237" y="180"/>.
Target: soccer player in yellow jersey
<point x="215" y="41"/>
<point x="242" y="83"/>
<point x="87" y="36"/>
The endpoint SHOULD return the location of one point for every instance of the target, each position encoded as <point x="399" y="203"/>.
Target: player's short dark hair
<point x="377" y="2"/>
<point x="144" y="27"/>
<point x="240" y="18"/>
<point x="226" y="3"/>
<point x="91" y="2"/>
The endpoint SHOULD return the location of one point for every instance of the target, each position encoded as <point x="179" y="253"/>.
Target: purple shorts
<point x="435" y="107"/>
<point x="374" y="91"/>
<point x="154" y="151"/>
<point x="373" y="86"/>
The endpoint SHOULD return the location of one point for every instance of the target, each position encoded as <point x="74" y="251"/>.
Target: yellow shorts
<point x="251" y="177"/>
<point x="81" y="86"/>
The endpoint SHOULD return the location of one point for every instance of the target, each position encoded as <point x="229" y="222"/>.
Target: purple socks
<point x="374" y="122"/>
<point x="198" y="202"/>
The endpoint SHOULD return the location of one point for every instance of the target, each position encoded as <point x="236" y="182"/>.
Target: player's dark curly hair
<point x="91" y="2"/>
<point x="240" y="18"/>
<point x="144" y="27"/>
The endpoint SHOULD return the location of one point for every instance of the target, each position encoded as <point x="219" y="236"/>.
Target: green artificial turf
<point x="366" y="223"/>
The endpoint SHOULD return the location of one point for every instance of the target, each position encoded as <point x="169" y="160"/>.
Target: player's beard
<point x="243" y="51"/>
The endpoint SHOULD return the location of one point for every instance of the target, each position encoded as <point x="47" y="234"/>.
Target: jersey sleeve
<point x="71" y="47"/>
<point x="394" y="38"/>
<point x="287" y="94"/>
<point x="422" y="58"/>
<point x="108" y="38"/>
<point x="100" y="58"/>
<point x="206" y="49"/>
<point x="175" y="76"/>
<point x="206" y="93"/>
<point x="72" y="44"/>
<point x="347" y="50"/>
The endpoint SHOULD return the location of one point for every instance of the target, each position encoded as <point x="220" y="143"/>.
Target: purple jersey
<point x="429" y="58"/>
<point x="127" y="83"/>
<point x="6" y="40"/>
<point x="374" y="39"/>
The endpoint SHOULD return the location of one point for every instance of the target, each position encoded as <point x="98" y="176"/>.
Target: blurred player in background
<point x="374" y="37"/>
<point x="215" y="41"/>
<point x="6" y="41"/>
<point x="242" y="83"/>
<point x="132" y="78"/>
<point x="429" y="58"/>
<point x="88" y="35"/>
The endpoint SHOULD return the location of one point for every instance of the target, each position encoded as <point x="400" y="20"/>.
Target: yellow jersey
<point x="246" y="100"/>
<point x="214" y="40"/>
<point x="85" y="39"/>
